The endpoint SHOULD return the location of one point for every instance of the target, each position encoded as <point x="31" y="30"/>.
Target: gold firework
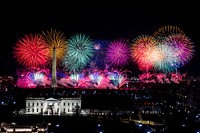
<point x="167" y="30"/>
<point x="56" y="39"/>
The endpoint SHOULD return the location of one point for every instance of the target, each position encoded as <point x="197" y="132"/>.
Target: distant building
<point x="150" y="110"/>
<point x="51" y="106"/>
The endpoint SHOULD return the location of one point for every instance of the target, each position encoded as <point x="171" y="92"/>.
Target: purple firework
<point x="118" y="53"/>
<point x="182" y="46"/>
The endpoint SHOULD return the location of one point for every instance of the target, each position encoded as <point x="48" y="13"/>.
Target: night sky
<point x="99" y="20"/>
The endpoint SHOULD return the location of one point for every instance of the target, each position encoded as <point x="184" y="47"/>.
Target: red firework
<point x="142" y="51"/>
<point x="31" y="51"/>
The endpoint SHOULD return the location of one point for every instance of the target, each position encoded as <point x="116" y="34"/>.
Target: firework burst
<point x="167" y="59"/>
<point x="31" y="51"/>
<point x="118" y="53"/>
<point x="182" y="46"/>
<point x="79" y="53"/>
<point x="141" y="51"/>
<point x="167" y="30"/>
<point x="56" y="39"/>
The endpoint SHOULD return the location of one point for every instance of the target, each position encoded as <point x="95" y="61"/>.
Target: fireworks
<point x="31" y="51"/>
<point x="182" y="46"/>
<point x="181" y="49"/>
<point x="167" y="61"/>
<point x="99" y="57"/>
<point x="167" y="30"/>
<point x="37" y="76"/>
<point x="164" y="55"/>
<point x="141" y="51"/>
<point x="79" y="53"/>
<point x="56" y="39"/>
<point x="118" y="53"/>
<point x="168" y="49"/>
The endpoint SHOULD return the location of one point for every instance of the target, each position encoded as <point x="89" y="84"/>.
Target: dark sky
<point x="99" y="20"/>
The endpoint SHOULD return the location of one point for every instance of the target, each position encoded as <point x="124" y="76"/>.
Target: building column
<point x="59" y="110"/>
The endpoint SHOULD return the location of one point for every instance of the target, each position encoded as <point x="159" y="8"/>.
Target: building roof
<point x="51" y="99"/>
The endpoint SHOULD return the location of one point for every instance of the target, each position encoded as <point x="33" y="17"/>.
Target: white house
<point x="51" y="106"/>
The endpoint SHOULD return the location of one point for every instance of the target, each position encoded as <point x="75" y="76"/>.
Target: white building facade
<point x="52" y="106"/>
